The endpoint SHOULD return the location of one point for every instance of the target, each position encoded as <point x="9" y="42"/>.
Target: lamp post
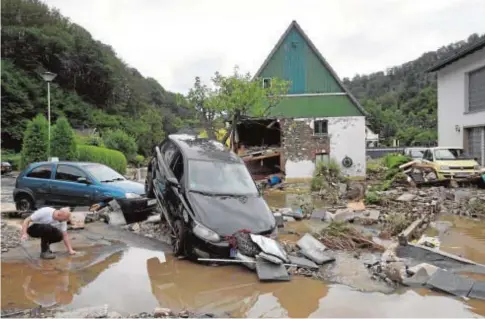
<point x="49" y="77"/>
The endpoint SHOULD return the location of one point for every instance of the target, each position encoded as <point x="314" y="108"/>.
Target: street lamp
<point x="49" y="77"/>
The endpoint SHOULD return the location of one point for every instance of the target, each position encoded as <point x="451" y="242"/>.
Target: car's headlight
<point x="132" y="195"/>
<point x="477" y="167"/>
<point x="205" y="233"/>
<point x="444" y="168"/>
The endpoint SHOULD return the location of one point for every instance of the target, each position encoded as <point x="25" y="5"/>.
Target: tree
<point x="236" y="94"/>
<point x="34" y="147"/>
<point x="119" y="140"/>
<point x="63" y="142"/>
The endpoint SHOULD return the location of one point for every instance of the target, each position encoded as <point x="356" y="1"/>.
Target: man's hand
<point x="24" y="237"/>
<point x="72" y="252"/>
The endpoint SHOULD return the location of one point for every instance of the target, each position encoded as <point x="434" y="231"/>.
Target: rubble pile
<point x="10" y="237"/>
<point x="104" y="312"/>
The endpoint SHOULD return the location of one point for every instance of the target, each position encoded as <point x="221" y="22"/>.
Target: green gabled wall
<point x="296" y="61"/>
<point x="315" y="106"/>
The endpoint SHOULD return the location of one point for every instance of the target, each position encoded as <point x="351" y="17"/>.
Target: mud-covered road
<point x="131" y="274"/>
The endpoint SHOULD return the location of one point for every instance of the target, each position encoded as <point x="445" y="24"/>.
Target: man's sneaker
<point x="47" y="255"/>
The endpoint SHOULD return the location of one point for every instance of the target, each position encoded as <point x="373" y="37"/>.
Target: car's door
<point x="37" y="182"/>
<point x="71" y="186"/>
<point x="162" y="171"/>
<point x="175" y="191"/>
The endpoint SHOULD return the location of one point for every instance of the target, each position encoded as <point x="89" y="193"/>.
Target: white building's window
<point x="322" y="157"/>
<point x="266" y="83"/>
<point x="476" y="90"/>
<point x="320" y="127"/>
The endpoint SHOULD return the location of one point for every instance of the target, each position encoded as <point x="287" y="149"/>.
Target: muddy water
<point x="138" y="280"/>
<point x="465" y="238"/>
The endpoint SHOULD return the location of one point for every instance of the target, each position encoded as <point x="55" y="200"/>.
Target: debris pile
<point x="341" y="236"/>
<point x="10" y="237"/>
<point x="105" y="312"/>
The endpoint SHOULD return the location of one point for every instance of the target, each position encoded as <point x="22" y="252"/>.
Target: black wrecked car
<point x="206" y="194"/>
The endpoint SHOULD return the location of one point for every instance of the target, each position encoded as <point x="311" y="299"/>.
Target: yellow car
<point x="451" y="162"/>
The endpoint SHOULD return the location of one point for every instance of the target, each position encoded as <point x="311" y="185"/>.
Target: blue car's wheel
<point x="24" y="204"/>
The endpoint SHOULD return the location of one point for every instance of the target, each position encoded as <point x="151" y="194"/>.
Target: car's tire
<point x="179" y="238"/>
<point x="24" y="203"/>
<point x="149" y="182"/>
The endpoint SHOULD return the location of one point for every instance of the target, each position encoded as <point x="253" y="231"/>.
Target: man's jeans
<point x="48" y="234"/>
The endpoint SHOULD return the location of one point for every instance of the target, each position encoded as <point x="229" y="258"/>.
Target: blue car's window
<point x="68" y="173"/>
<point x="43" y="171"/>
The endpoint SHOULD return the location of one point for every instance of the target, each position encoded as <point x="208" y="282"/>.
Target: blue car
<point x="74" y="184"/>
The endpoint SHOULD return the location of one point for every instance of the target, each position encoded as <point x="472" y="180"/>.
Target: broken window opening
<point x="259" y="145"/>
<point x="322" y="157"/>
<point x="266" y="83"/>
<point x="320" y="127"/>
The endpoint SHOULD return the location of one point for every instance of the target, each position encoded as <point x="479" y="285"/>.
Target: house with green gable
<point x="319" y="118"/>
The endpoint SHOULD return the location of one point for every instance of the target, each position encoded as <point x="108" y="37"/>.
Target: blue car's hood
<point x="125" y="187"/>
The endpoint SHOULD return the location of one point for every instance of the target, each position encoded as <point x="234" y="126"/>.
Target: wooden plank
<point x="255" y="158"/>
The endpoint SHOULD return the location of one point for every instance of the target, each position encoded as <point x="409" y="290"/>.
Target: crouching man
<point x="50" y="225"/>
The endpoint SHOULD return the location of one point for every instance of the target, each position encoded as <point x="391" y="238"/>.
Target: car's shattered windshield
<point x="220" y="178"/>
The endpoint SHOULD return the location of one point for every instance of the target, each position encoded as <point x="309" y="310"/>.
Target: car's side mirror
<point x="83" y="180"/>
<point x="173" y="181"/>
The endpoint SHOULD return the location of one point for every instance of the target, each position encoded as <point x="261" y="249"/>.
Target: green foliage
<point x="139" y="160"/>
<point x="63" y="141"/>
<point x="235" y="94"/>
<point x="372" y="198"/>
<point x="13" y="158"/>
<point x="112" y="158"/>
<point x="325" y="174"/>
<point x="395" y="160"/>
<point x="94" y="140"/>
<point x="93" y="88"/>
<point x="402" y="102"/>
<point x="34" y="147"/>
<point x="119" y="140"/>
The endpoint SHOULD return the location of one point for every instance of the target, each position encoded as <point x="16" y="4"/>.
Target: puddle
<point x="466" y="238"/>
<point x="137" y="280"/>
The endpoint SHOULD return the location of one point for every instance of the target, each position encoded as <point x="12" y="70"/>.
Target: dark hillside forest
<point x="401" y="101"/>
<point x="96" y="89"/>
<point x="93" y="87"/>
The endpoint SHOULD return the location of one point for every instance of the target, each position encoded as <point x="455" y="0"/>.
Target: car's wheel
<point x="149" y="182"/>
<point x="24" y="203"/>
<point x="179" y="238"/>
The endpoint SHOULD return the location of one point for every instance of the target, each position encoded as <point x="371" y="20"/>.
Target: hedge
<point x="114" y="159"/>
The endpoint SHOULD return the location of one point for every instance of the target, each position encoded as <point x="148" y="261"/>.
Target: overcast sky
<point x="174" y="41"/>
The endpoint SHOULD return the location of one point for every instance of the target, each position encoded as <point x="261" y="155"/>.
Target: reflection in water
<point x="53" y="282"/>
<point x="179" y="284"/>
<point x="466" y="238"/>
<point x="138" y="280"/>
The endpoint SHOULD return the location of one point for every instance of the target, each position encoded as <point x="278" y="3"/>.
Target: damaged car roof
<point x="193" y="147"/>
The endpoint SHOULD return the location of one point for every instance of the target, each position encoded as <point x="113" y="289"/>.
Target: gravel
<point x="10" y="237"/>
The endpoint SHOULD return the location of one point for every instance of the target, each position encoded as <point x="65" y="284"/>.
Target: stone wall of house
<point x="299" y="146"/>
<point x="346" y="138"/>
<point x="298" y="142"/>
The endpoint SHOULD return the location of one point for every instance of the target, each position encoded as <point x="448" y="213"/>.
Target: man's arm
<point x="25" y="225"/>
<point x="67" y="242"/>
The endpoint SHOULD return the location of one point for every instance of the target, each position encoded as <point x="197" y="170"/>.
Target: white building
<point x="461" y="100"/>
<point x="371" y="138"/>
